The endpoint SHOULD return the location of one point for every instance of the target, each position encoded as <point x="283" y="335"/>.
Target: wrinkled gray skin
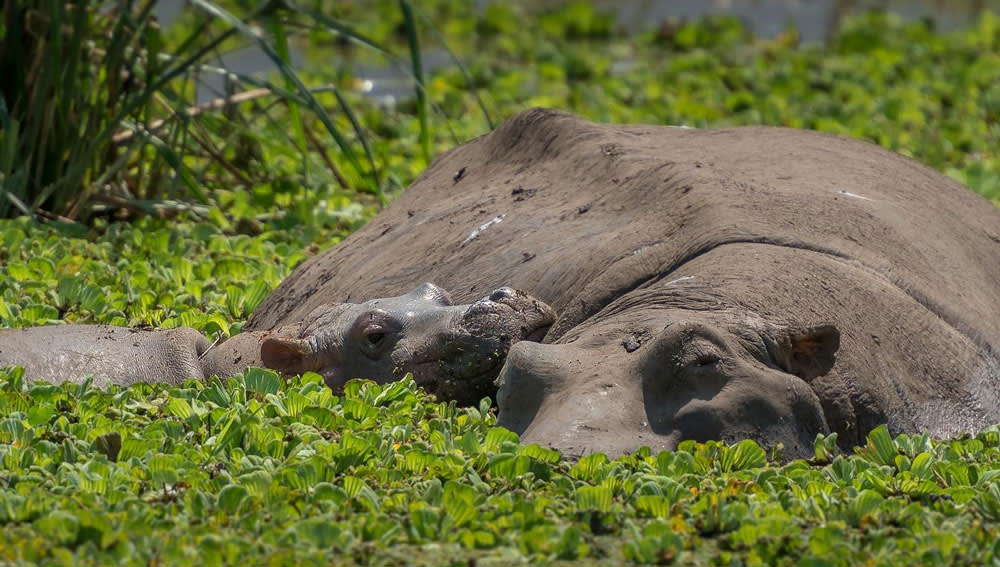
<point x="112" y="355"/>
<point x="746" y="282"/>
<point x="453" y="350"/>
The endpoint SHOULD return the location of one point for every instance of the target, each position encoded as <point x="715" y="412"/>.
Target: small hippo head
<point x="659" y="376"/>
<point x="453" y="351"/>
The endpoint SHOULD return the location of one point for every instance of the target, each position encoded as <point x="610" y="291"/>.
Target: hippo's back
<point x="578" y="213"/>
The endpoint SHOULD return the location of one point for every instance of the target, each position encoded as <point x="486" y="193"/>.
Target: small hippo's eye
<point x="374" y="332"/>
<point x="706" y="359"/>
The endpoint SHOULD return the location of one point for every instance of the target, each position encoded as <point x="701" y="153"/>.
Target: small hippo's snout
<point x="506" y="316"/>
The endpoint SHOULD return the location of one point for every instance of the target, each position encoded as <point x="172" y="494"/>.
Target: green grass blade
<point x="356" y="125"/>
<point x="182" y="66"/>
<point x="341" y="28"/>
<point x="290" y="75"/>
<point x="460" y="66"/>
<point x="413" y="39"/>
<point x="280" y="39"/>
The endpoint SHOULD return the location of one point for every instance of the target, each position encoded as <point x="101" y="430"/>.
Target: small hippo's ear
<point x="288" y="356"/>
<point x="807" y="352"/>
<point x="431" y="292"/>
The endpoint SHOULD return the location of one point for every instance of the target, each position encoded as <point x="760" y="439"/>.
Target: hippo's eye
<point x="374" y="338"/>
<point x="706" y="359"/>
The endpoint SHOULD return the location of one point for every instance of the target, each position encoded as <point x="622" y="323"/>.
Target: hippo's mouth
<point x="476" y="382"/>
<point x="537" y="334"/>
<point x="465" y="364"/>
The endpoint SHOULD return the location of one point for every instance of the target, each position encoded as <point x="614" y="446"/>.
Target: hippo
<point x="453" y="350"/>
<point x="753" y="282"/>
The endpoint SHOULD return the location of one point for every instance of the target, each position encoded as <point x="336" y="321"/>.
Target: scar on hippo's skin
<point x="680" y="279"/>
<point x="479" y="230"/>
<point x="854" y="195"/>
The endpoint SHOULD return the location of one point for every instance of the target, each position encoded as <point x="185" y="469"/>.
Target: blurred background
<point x="285" y="113"/>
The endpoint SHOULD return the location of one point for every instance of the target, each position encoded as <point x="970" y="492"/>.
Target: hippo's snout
<point x="511" y="314"/>
<point x="463" y="362"/>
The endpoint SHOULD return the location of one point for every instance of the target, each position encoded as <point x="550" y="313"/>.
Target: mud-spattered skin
<point x="850" y="286"/>
<point x="455" y="351"/>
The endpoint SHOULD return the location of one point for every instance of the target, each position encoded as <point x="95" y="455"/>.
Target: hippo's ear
<point x="806" y="352"/>
<point x="430" y="292"/>
<point x="288" y="356"/>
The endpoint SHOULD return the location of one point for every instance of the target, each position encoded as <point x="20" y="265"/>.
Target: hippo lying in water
<point x="453" y="350"/>
<point x="759" y="283"/>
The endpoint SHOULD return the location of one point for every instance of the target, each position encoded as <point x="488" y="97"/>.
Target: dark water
<point x="814" y="19"/>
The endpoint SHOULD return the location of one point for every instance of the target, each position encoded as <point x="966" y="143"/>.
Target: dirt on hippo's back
<point x="578" y="213"/>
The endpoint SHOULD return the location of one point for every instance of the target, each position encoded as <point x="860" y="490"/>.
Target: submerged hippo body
<point x="747" y="282"/>
<point x="111" y="355"/>
<point x="454" y="350"/>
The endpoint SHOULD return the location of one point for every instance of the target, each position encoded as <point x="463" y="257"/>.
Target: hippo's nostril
<point x="502" y="293"/>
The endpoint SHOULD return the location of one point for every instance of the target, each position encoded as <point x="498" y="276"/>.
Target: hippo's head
<point x="453" y="351"/>
<point x="656" y="377"/>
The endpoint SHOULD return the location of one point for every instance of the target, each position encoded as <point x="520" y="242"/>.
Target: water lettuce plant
<point x="258" y="469"/>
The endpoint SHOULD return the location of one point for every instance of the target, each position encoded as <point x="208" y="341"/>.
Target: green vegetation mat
<point x="257" y="470"/>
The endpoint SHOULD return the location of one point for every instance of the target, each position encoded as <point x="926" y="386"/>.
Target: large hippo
<point x="453" y="350"/>
<point x="761" y="283"/>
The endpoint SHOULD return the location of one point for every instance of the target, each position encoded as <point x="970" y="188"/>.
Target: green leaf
<point x="653" y="505"/>
<point x="257" y="483"/>
<point x="110" y="444"/>
<point x="922" y="465"/>
<point x="353" y="486"/>
<point x="598" y="498"/>
<point x="19" y="272"/>
<point x="825" y="447"/>
<point x="216" y="393"/>
<point x="591" y="468"/>
<point x="537" y="452"/>
<point x="458" y="502"/>
<point x="180" y="407"/>
<point x="136" y="448"/>
<point x="163" y="469"/>
<point x="232" y="498"/>
<point x="262" y="381"/>
<point x="321" y="532"/>
<point x="357" y="488"/>
<point x="13" y="431"/>
<point x="865" y="505"/>
<point x="498" y="438"/>
<point x="254" y="294"/>
<point x="60" y="527"/>
<point x="426" y="522"/>
<point x="40" y="414"/>
<point x="880" y="446"/>
<point x="37" y="314"/>
<point x="744" y="455"/>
